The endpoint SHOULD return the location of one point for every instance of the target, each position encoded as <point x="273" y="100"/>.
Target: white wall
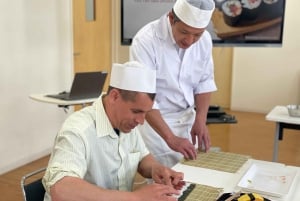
<point x="266" y="77"/>
<point x="35" y="57"/>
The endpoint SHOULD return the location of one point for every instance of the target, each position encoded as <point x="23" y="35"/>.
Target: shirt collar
<point x="170" y="31"/>
<point x="103" y="125"/>
<point x="163" y="29"/>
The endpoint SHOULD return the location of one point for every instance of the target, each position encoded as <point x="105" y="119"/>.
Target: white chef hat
<point x="195" y="13"/>
<point x="133" y="76"/>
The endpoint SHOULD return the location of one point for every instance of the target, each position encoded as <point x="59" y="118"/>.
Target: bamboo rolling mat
<point x="222" y="161"/>
<point x="203" y="193"/>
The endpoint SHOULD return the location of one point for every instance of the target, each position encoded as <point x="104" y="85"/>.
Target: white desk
<point x="279" y="114"/>
<point x="229" y="181"/>
<point x="61" y="103"/>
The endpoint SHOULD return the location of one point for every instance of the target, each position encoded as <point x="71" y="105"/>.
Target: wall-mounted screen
<point x="234" y="22"/>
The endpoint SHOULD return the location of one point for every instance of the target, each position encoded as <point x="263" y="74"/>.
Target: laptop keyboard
<point x="62" y="95"/>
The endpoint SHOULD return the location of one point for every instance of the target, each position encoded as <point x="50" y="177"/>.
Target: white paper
<point x="268" y="180"/>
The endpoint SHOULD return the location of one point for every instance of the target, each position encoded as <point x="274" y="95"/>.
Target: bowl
<point x="294" y="110"/>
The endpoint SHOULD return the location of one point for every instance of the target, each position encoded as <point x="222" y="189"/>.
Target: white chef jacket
<point x="87" y="147"/>
<point x="180" y="75"/>
<point x="178" y="80"/>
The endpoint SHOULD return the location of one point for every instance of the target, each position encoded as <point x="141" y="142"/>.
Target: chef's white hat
<point x="195" y="13"/>
<point x="133" y="76"/>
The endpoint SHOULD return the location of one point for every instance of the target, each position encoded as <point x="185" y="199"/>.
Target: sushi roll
<point x="219" y="3"/>
<point x="273" y="8"/>
<point x="232" y="10"/>
<point x="251" y="9"/>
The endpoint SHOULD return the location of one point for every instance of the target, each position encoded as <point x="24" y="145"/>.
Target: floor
<point x="252" y="135"/>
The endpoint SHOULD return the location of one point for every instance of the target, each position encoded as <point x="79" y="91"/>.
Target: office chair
<point x="34" y="190"/>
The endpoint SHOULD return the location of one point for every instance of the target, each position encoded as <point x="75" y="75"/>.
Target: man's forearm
<point x="156" y="121"/>
<point x="202" y="102"/>
<point x="72" y="188"/>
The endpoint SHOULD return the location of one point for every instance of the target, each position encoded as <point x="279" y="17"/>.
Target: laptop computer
<point x="85" y="85"/>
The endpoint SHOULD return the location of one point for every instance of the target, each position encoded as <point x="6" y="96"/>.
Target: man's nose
<point x="140" y="118"/>
<point x="189" y="39"/>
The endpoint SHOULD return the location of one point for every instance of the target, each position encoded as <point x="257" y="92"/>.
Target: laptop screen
<point x="87" y="85"/>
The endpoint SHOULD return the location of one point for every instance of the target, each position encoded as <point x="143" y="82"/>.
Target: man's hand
<point x="182" y="145"/>
<point x="156" y="192"/>
<point x="167" y="176"/>
<point x="200" y="134"/>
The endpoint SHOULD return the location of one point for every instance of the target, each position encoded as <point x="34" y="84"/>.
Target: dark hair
<point x="130" y="95"/>
<point x="175" y="17"/>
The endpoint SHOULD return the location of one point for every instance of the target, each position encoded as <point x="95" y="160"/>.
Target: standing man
<point x="98" y="150"/>
<point x="179" y="48"/>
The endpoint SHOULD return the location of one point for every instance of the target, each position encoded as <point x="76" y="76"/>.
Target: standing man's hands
<point x="182" y="145"/>
<point x="200" y="134"/>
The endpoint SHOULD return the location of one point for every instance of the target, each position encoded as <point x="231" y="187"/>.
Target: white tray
<point x="268" y="180"/>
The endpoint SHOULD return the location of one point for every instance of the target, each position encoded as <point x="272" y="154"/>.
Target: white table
<point x="279" y="114"/>
<point x="229" y="181"/>
<point x="61" y="103"/>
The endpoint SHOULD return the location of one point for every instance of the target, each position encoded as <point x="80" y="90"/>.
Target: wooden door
<point x="92" y="39"/>
<point x="223" y="73"/>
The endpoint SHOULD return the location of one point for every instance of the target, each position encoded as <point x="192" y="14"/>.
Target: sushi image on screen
<point x="232" y="10"/>
<point x="251" y="9"/>
<point x="238" y="13"/>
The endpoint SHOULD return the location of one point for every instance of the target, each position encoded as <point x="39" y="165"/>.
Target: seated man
<point x="98" y="149"/>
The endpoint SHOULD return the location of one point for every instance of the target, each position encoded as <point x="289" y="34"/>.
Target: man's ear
<point x="171" y="17"/>
<point x="114" y="94"/>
